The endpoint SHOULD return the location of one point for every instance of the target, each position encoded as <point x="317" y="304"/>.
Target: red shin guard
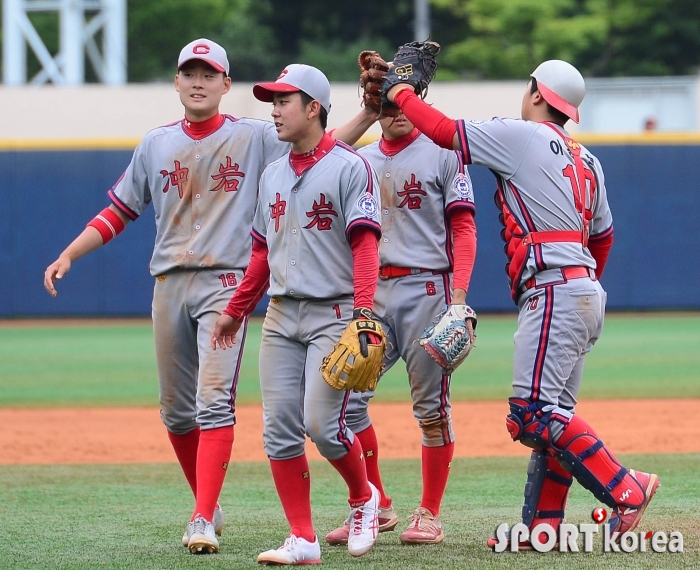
<point x="581" y="453"/>
<point x="546" y="491"/>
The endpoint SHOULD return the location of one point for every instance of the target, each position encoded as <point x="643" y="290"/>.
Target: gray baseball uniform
<point x="305" y="221"/>
<point x="552" y="197"/>
<point x="204" y="192"/>
<point x="420" y="185"/>
<point x="543" y="192"/>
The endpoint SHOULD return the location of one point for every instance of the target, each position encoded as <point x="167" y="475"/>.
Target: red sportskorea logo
<point x="599" y="515"/>
<point x="201" y="49"/>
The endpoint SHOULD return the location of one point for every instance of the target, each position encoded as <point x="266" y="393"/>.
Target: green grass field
<point x="638" y="356"/>
<point x="132" y="517"/>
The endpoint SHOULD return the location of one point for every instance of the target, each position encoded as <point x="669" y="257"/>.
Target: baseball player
<point x="315" y="236"/>
<point x="427" y="233"/>
<point x="558" y="232"/>
<point x="201" y="174"/>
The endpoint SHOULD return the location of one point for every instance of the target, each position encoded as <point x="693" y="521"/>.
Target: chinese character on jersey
<point x="412" y="193"/>
<point x="228" y="176"/>
<point x="176" y="177"/>
<point x="277" y="210"/>
<point x="317" y="213"/>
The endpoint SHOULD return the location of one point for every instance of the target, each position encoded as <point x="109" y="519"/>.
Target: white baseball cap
<point x="561" y="85"/>
<point x="206" y="50"/>
<point x="297" y="77"/>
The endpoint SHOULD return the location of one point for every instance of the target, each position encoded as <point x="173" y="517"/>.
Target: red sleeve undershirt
<point x="431" y="122"/>
<point x="364" y="242"/>
<point x="464" y="247"/>
<point x="253" y="286"/>
<point x="600" y="249"/>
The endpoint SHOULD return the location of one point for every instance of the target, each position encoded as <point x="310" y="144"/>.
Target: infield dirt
<point x="136" y="435"/>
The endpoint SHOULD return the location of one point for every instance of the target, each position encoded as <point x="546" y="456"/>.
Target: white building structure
<point x="80" y="23"/>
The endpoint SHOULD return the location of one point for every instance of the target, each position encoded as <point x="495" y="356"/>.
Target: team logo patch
<point x="463" y="187"/>
<point x="404" y="71"/>
<point x="367" y="204"/>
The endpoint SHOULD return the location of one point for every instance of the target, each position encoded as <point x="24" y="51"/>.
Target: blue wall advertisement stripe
<point x="50" y="193"/>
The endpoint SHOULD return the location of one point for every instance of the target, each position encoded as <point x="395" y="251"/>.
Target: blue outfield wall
<point x="49" y="195"/>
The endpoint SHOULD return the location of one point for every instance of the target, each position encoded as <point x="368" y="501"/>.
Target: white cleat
<point x="218" y="523"/>
<point x="364" y="525"/>
<point x="202" y="537"/>
<point x="294" y="551"/>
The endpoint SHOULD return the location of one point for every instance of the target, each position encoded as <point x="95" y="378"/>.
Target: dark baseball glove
<point x="414" y="64"/>
<point x="356" y="359"/>
<point x="447" y="340"/>
<point x="372" y="71"/>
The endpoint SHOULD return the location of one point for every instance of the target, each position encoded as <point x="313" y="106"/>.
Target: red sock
<point x="185" y="446"/>
<point x="352" y="468"/>
<point x="370" y="448"/>
<point x="213" y="456"/>
<point x="436" y="470"/>
<point x="293" y="483"/>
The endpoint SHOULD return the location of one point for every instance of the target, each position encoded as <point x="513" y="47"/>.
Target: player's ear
<point x="227" y="84"/>
<point x="313" y="109"/>
<point x="177" y="82"/>
<point x="537" y="98"/>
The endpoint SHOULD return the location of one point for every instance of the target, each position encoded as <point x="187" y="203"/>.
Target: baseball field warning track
<point x="136" y="435"/>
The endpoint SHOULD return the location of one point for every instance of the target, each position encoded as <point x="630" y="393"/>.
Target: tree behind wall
<point x="601" y="37"/>
<point x="482" y="39"/>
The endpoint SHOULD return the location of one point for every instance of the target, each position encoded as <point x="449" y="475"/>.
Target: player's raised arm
<point x="351" y="131"/>
<point x="432" y="123"/>
<point x="108" y="224"/>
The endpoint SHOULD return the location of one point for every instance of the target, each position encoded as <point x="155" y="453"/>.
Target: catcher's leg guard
<point x="581" y="453"/>
<point x="546" y="491"/>
<point x="530" y="423"/>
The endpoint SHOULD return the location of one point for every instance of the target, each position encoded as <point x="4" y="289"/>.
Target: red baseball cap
<point x="297" y="77"/>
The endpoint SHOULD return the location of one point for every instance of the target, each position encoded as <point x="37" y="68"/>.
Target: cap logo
<point x="201" y="49"/>
<point x="281" y="75"/>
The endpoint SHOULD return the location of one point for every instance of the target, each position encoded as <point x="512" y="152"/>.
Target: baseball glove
<point x="447" y="339"/>
<point x="356" y="359"/>
<point x="414" y="64"/>
<point x="372" y="71"/>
